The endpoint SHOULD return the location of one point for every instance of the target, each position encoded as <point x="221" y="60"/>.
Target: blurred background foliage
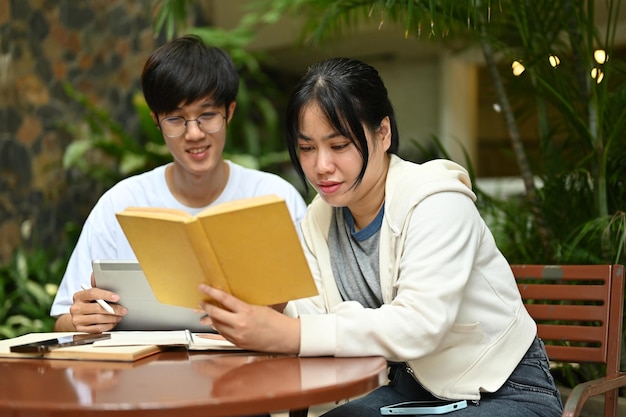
<point x="573" y="207"/>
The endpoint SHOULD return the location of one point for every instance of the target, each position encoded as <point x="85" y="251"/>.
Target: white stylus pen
<point x="100" y="301"/>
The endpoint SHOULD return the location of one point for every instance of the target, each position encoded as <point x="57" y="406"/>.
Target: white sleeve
<point x="99" y="239"/>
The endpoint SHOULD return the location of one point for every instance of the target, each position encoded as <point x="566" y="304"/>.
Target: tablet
<point x="145" y="312"/>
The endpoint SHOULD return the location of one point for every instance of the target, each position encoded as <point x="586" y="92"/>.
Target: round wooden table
<point x="179" y="383"/>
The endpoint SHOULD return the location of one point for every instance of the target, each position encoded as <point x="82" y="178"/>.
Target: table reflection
<point x="207" y="382"/>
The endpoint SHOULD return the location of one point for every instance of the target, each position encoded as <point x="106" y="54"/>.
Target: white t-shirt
<point x="103" y="238"/>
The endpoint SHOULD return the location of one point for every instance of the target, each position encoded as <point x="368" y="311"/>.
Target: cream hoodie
<point x="452" y="309"/>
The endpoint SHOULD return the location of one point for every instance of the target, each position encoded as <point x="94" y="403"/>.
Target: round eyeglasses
<point x="174" y="127"/>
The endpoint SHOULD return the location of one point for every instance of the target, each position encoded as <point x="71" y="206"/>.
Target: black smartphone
<point x="58" y="342"/>
<point x="423" y="407"/>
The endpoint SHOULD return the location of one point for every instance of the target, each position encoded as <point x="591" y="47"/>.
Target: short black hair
<point x="351" y="94"/>
<point x="185" y="70"/>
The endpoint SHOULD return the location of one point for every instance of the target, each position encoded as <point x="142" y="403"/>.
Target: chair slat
<point x="570" y="313"/>
<point x="566" y="272"/>
<point x="547" y="291"/>
<point x="576" y="354"/>
<point x="571" y="333"/>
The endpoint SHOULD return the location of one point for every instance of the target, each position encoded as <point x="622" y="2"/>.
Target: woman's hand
<point x="251" y="327"/>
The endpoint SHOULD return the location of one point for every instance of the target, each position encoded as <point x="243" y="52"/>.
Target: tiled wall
<point x="99" y="47"/>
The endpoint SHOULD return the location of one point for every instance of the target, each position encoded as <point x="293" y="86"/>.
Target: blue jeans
<point x="529" y="391"/>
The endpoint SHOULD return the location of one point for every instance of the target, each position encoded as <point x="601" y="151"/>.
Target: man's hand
<point x="88" y="316"/>
<point x="251" y="327"/>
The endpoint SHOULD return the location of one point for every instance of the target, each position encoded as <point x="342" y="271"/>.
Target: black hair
<point x="185" y="70"/>
<point x="351" y="94"/>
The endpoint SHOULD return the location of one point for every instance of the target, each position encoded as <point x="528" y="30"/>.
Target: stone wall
<point x="98" y="47"/>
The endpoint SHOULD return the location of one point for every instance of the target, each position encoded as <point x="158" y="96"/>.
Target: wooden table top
<point x="197" y="384"/>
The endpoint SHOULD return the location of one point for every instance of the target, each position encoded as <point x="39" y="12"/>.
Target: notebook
<point x="115" y="353"/>
<point x="125" y="278"/>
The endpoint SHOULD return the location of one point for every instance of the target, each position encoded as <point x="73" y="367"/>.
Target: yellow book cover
<point x="247" y="247"/>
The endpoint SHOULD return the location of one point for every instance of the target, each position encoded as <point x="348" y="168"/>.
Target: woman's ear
<point x="384" y="133"/>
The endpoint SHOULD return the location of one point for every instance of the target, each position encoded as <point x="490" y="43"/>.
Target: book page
<point x="173" y="256"/>
<point x="260" y="253"/>
<point x="199" y="341"/>
<point x="239" y="204"/>
<point x="157" y="213"/>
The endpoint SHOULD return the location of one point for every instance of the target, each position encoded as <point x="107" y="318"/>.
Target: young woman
<point x="406" y="267"/>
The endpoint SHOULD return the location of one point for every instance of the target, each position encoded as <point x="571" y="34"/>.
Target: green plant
<point x="104" y="150"/>
<point x="28" y="284"/>
<point x="574" y="95"/>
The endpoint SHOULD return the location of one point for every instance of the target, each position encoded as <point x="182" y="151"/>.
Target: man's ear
<point x="154" y="119"/>
<point x="230" y="111"/>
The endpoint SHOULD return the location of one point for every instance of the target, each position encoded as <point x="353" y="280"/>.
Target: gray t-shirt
<point x="355" y="258"/>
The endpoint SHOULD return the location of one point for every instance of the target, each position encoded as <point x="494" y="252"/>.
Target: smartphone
<point x="423" y="407"/>
<point x="58" y="342"/>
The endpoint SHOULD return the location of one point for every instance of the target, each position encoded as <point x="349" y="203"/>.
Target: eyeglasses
<point x="176" y="126"/>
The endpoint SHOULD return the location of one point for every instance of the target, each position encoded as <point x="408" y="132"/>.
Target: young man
<point x="191" y="90"/>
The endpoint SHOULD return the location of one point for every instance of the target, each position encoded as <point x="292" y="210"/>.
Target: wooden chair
<point x="579" y="312"/>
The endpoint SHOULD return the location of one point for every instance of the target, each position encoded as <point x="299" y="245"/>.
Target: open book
<point x="249" y="248"/>
<point x="121" y="346"/>
<point x="182" y="338"/>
